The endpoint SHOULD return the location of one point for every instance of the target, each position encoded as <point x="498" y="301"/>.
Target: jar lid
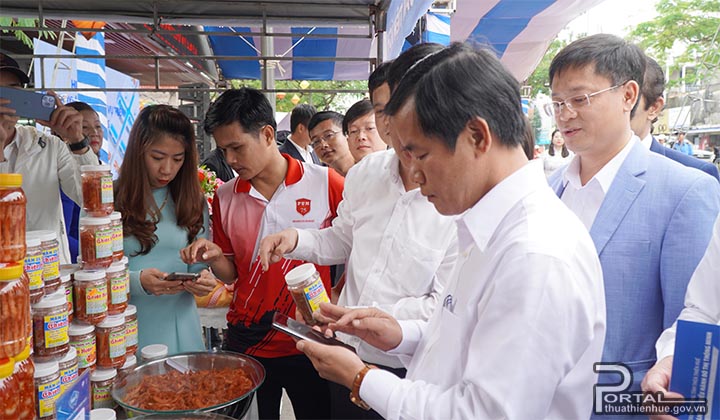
<point x="154" y="351"/>
<point x="50" y="301"/>
<point x="130" y="310"/>
<point x="23" y="354"/>
<point x="10" y="180"/>
<point x="68" y="356"/>
<point x="32" y="242"/>
<point x="7" y="365"/>
<point x="89" y="275"/>
<point x="115" y="267"/>
<point x="99" y="375"/>
<point x="130" y="361"/>
<point x="300" y="273"/>
<point x="103" y="414"/>
<point x="10" y="272"/>
<point x="116" y="215"/>
<point x="94" y="221"/>
<point x="112" y="321"/>
<point x="64" y="278"/>
<point x="43" y="235"/>
<point x="43" y="369"/>
<point x="78" y="328"/>
<point x="124" y="260"/>
<point x="94" y="168"/>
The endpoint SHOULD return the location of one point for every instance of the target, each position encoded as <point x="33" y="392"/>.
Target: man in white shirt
<point x="297" y="144"/>
<point x="522" y="317"/>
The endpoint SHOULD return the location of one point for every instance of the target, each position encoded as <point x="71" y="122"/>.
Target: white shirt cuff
<point x="377" y="388"/>
<point x="304" y="245"/>
<point x="411" y="335"/>
<point x="665" y="345"/>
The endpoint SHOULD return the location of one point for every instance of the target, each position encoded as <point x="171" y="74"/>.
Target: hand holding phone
<point x="301" y="331"/>
<point x="183" y="276"/>
<point x="28" y="104"/>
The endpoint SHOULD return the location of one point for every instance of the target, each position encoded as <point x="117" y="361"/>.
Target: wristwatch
<point x="355" y="390"/>
<point x="79" y="145"/>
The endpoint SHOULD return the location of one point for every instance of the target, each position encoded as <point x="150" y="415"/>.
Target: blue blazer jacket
<point x="650" y="232"/>
<point x="289" y="149"/>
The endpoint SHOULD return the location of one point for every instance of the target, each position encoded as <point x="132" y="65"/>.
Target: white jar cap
<point x="99" y="374"/>
<point x="43" y="369"/>
<point x="300" y="273"/>
<point x="103" y="414"/>
<point x="154" y="351"/>
<point x="94" y="221"/>
<point x="116" y="215"/>
<point x="64" y="277"/>
<point x="130" y="361"/>
<point x="124" y="260"/>
<point x="78" y="328"/>
<point x="50" y="301"/>
<point x="112" y="321"/>
<point x="43" y="235"/>
<point x="115" y="267"/>
<point x="89" y="275"/>
<point x="130" y="310"/>
<point x="94" y="168"/>
<point x="70" y="355"/>
<point x="32" y="241"/>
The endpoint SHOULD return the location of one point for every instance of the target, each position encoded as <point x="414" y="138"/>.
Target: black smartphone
<point x="28" y="104"/>
<point x="301" y="331"/>
<point x="183" y="276"/>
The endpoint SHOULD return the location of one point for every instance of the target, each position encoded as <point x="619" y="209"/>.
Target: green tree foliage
<point x="21" y="35"/>
<point x="539" y="80"/>
<point x="332" y="99"/>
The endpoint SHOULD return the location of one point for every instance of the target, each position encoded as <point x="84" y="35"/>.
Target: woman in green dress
<point x="163" y="210"/>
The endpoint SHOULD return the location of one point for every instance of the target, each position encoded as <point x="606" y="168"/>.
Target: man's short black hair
<point x="358" y="110"/>
<point x="301" y="114"/>
<point x="613" y="58"/>
<point x="321" y="116"/>
<point x="246" y="106"/>
<point x="406" y="60"/>
<point x="456" y="84"/>
<point x="378" y="77"/>
<point x="653" y="82"/>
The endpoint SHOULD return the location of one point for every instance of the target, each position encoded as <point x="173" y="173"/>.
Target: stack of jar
<point x="17" y="396"/>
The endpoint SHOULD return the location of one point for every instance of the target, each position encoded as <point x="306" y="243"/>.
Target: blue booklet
<point x="696" y="366"/>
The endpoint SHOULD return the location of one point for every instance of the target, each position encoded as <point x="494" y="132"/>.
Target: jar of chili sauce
<point x="12" y="218"/>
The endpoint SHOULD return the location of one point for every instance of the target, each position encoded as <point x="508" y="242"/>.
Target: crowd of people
<point x="471" y="280"/>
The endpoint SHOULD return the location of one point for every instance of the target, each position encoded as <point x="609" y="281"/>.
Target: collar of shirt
<point x="478" y="224"/>
<point x="392" y="166"/>
<point x="647" y="141"/>
<point x="304" y="152"/>
<point x="294" y="174"/>
<point x="605" y="176"/>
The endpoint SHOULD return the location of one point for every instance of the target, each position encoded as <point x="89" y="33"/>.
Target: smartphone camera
<point x="48" y="101"/>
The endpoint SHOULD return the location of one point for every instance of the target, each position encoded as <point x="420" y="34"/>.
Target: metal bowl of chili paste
<point x="218" y="382"/>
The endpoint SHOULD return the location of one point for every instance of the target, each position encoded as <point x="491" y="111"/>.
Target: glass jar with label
<point x="50" y="326"/>
<point x="95" y="242"/>
<point x="12" y="218"/>
<point x="91" y="296"/>
<point x="130" y="362"/>
<point x="14" y="310"/>
<point x="68" y="364"/>
<point x="97" y="190"/>
<point x="67" y="286"/>
<point x="117" y="236"/>
<point x="111" y="342"/>
<point x="47" y="389"/>
<point x="124" y="262"/>
<point x="153" y="352"/>
<point x="101" y="381"/>
<point x="116" y="283"/>
<point x="131" y="330"/>
<point x="307" y="290"/>
<point x="82" y="339"/>
<point x="34" y="268"/>
<point x="24" y="372"/>
<point x="51" y="258"/>
<point x="9" y="396"/>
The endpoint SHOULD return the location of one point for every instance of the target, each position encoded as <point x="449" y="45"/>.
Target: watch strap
<point x="79" y="145"/>
<point x="355" y="390"/>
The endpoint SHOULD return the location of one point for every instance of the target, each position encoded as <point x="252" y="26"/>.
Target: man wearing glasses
<point x="649" y="217"/>
<point x="361" y="131"/>
<point x="328" y="141"/>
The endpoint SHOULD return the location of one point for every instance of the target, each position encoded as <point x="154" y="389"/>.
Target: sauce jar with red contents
<point x="82" y="339"/>
<point x="90" y="296"/>
<point x="95" y="242"/>
<point x="34" y="268"/>
<point x="97" y="189"/>
<point x="307" y="290"/>
<point x="117" y="236"/>
<point x="111" y="342"/>
<point x="51" y="258"/>
<point x="117" y="295"/>
<point x="101" y="382"/>
<point x="50" y="326"/>
<point x="68" y="365"/>
<point x="12" y="218"/>
<point x="24" y="372"/>
<point x="131" y="330"/>
<point x="14" y="310"/>
<point x="47" y="389"/>
<point x="66" y="285"/>
<point x="9" y="390"/>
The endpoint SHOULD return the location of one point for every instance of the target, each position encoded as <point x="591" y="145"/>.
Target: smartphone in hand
<point x="302" y="331"/>
<point x="182" y="276"/>
<point x="28" y="104"/>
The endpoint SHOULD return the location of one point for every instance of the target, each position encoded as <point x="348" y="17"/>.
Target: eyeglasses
<point x="326" y="137"/>
<point x="576" y="102"/>
<point x="355" y="132"/>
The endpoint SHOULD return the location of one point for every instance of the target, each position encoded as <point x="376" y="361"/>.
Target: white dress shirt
<point x="522" y="319"/>
<point x="647" y="141"/>
<point x="306" y="153"/>
<point x="702" y="299"/>
<point x="399" y="250"/>
<point x="585" y="200"/>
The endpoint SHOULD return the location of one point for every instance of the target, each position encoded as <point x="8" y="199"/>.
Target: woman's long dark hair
<point x="133" y="194"/>
<point x="565" y="153"/>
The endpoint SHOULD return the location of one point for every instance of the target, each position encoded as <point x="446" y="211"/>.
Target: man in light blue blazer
<point x="650" y="218"/>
